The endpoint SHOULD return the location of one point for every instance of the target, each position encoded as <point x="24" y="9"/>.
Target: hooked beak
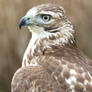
<point x="24" y="22"/>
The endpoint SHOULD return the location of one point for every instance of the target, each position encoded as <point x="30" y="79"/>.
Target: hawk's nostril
<point x="28" y="18"/>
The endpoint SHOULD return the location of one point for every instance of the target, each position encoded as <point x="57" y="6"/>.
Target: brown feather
<point x="53" y="70"/>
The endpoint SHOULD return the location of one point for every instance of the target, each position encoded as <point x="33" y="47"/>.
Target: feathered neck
<point x="41" y="41"/>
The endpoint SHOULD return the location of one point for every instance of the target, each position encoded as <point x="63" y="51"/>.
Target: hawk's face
<point x="49" y="27"/>
<point x="48" y="17"/>
<point x="48" y="21"/>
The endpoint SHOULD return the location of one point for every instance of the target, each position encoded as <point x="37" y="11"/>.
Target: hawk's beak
<point x="24" y="22"/>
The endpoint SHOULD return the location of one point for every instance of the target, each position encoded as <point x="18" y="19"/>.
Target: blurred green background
<point x="13" y="41"/>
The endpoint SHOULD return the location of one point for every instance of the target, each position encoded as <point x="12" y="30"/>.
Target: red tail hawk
<point x="52" y="62"/>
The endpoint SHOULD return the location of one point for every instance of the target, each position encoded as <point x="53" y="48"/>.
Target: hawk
<point x="52" y="62"/>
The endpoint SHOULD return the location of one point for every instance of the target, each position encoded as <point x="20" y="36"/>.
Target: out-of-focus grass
<point x="13" y="42"/>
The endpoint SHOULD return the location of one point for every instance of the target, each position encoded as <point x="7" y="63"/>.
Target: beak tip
<point x="19" y="26"/>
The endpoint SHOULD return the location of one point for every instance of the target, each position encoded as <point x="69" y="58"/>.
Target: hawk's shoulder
<point x="34" y="79"/>
<point x="69" y="67"/>
<point x="61" y="69"/>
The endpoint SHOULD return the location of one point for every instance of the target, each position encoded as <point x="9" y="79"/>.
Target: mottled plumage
<point x="52" y="61"/>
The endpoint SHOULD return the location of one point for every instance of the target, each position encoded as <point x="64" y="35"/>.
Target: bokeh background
<point x="13" y="41"/>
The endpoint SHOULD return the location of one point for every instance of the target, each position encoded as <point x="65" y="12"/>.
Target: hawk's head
<point x="49" y="27"/>
<point x="47" y="21"/>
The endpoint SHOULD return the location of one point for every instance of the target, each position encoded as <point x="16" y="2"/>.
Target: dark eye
<point x="46" y="18"/>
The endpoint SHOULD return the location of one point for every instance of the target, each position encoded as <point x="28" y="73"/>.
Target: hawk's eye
<point x="46" y="18"/>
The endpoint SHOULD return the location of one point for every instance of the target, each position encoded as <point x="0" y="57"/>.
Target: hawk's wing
<point x="69" y="73"/>
<point x="35" y="79"/>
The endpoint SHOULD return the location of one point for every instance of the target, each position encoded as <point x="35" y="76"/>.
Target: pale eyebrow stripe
<point x="50" y="13"/>
<point x="47" y="12"/>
